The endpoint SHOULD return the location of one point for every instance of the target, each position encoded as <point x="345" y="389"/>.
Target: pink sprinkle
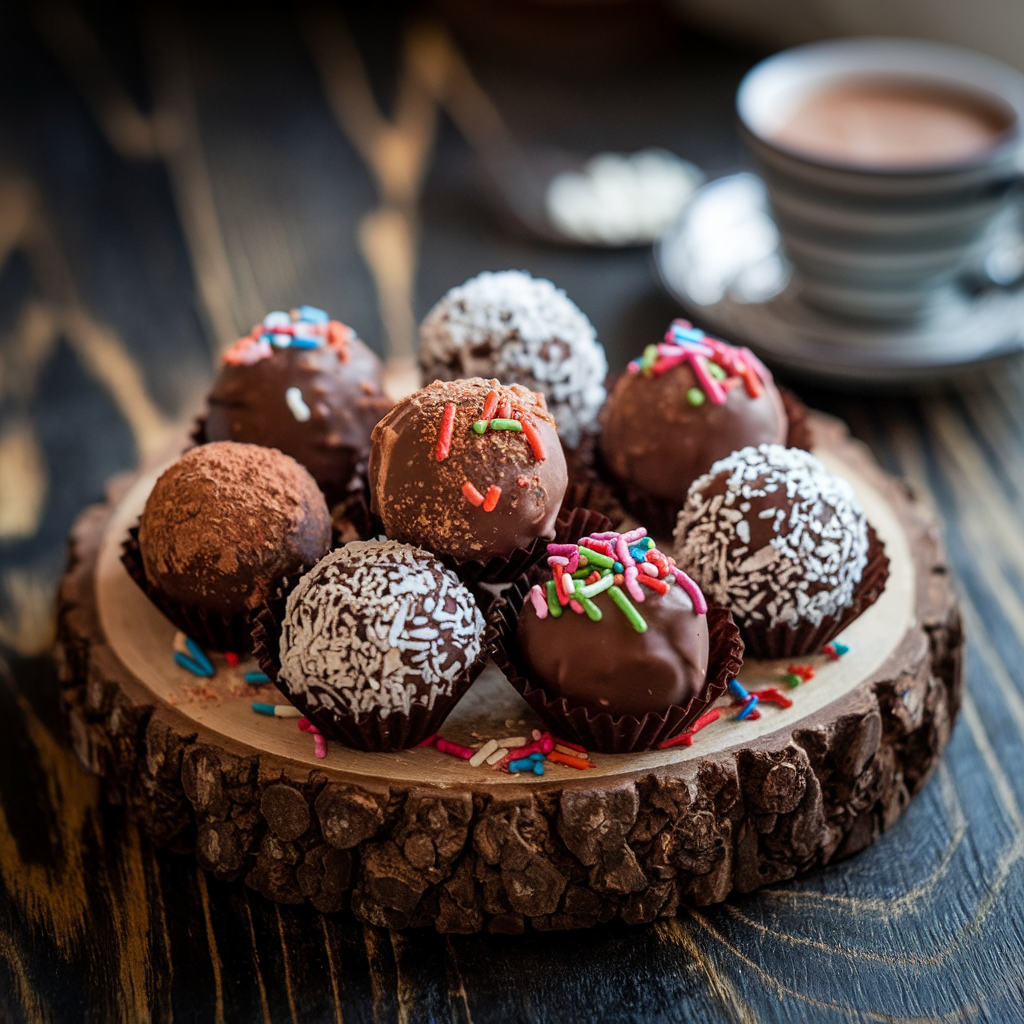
<point x="631" y="584"/>
<point x="622" y="552"/>
<point x="711" y="387"/>
<point x="428" y="742"/>
<point x="307" y="726"/>
<point x="561" y="549"/>
<point x="700" y="606"/>
<point x="319" y="745"/>
<point x="540" y="604"/>
<point x="634" y="535"/>
<point x="557" y="560"/>
<point x="455" y="749"/>
<point x="574" y="562"/>
<point x="542" y="746"/>
<point x="576" y="606"/>
<point x="608" y="535"/>
<point x="536" y="734"/>
<point x="762" y="371"/>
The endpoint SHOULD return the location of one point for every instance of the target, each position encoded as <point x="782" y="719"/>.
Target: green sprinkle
<point x="650" y="356"/>
<point x="593" y="612"/>
<point x="581" y="574"/>
<point x="597" y="587"/>
<point x="553" y="604"/>
<point x="506" y="425"/>
<point x="716" y="371"/>
<point x="695" y="396"/>
<point x="596" y="558"/>
<point x="480" y="426"/>
<point x="793" y="680"/>
<point x="636" y="620"/>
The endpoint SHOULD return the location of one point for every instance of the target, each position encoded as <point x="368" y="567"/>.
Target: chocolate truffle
<point x="227" y="521"/>
<point x="683" y="405"/>
<point x="521" y="330"/>
<point x="378" y="627"/>
<point x="468" y="468"/>
<point x="627" y="641"/>
<point x="775" y="537"/>
<point x="305" y="385"/>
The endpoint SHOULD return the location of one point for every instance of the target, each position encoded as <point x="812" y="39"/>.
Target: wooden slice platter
<point x="421" y="838"/>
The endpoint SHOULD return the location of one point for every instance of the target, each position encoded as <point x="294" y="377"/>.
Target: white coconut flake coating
<point x="818" y="544"/>
<point x="522" y="330"/>
<point x="378" y="625"/>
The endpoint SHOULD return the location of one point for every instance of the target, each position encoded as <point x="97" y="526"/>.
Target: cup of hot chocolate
<point x="886" y="163"/>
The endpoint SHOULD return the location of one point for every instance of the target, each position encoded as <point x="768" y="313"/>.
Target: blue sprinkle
<point x="199" y="655"/>
<point x="538" y="756"/>
<point x="305" y="343"/>
<point x="750" y="705"/>
<point x="312" y="315"/>
<point x="262" y="709"/>
<point x="737" y="690"/>
<point x="618" y="567"/>
<point x="526" y="764"/>
<point x="638" y="553"/>
<point x="687" y="334"/>
<point x="189" y="665"/>
<point x="841" y="649"/>
<point x="257" y="677"/>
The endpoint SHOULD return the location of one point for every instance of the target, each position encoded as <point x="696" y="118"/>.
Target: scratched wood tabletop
<point x="165" y="179"/>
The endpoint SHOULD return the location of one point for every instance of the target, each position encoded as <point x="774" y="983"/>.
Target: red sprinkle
<point x="686" y="738"/>
<point x="491" y="500"/>
<point x="471" y="494"/>
<point x="231" y="658"/>
<point x="571" y="746"/>
<point x="805" y="672"/>
<point x="602" y="547"/>
<point x="592" y="578"/>
<point x="576" y="606"/>
<point x="490" y="404"/>
<point x="770" y="695"/>
<point x="523" y="482"/>
<point x="534" y="438"/>
<point x="455" y="749"/>
<point x="504" y="410"/>
<point x="655" y="584"/>
<point x="559" y="571"/>
<point x="444" y="437"/>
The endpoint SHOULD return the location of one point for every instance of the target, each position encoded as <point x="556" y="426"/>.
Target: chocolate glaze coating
<point x="227" y="521"/>
<point x="340" y="385"/>
<point x="653" y="438"/>
<point x="608" y="667"/>
<point x="420" y="499"/>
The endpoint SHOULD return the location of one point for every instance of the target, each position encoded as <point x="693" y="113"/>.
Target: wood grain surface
<point x="166" y="179"/>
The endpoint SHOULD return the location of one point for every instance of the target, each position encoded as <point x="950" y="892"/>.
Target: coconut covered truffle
<point x="379" y="628"/>
<point x="627" y="636"/>
<point x="686" y="403"/>
<point x="521" y="330"/>
<point x="774" y="536"/>
<point x="226" y="522"/>
<point x="470" y="468"/>
<point x="303" y="384"/>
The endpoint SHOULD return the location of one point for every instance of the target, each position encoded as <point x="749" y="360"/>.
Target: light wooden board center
<point x="142" y="638"/>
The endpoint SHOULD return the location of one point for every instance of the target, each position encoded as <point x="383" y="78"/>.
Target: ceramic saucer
<point x="722" y="260"/>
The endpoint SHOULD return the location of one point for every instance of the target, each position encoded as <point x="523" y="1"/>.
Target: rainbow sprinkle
<point x="605" y="563"/>
<point x="717" y="366"/>
<point x="301" y="328"/>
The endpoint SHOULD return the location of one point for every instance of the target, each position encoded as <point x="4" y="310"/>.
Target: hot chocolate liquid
<point x="889" y="123"/>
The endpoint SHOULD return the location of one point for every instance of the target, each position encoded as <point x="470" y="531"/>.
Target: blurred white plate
<point x="722" y="261"/>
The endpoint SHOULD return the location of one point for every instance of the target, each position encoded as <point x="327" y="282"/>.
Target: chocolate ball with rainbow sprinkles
<point x="304" y="384"/>
<point x="470" y="469"/>
<point x="688" y="401"/>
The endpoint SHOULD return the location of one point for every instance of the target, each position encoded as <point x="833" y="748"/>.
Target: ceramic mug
<point x="879" y="243"/>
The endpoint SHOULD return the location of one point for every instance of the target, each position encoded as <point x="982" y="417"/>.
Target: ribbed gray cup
<point x="879" y="243"/>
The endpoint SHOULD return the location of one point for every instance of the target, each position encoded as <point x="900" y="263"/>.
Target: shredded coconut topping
<point x="818" y="543"/>
<point x="378" y="625"/>
<point x="522" y="330"/>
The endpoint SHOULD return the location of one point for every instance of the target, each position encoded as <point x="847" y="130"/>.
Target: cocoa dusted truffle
<point x="775" y="537"/>
<point x="521" y="330"/>
<point x="468" y="468"/>
<point x="227" y="521"/>
<point x="686" y="403"/>
<point x="305" y="385"/>
<point x="618" y="629"/>
<point x="379" y="632"/>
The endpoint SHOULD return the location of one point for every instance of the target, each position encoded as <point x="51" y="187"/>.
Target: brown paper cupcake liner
<point x="375" y="731"/>
<point x="797" y="641"/>
<point x="604" y="732"/>
<point x="210" y="630"/>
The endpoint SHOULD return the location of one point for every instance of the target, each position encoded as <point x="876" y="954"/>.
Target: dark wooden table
<point x="165" y="180"/>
